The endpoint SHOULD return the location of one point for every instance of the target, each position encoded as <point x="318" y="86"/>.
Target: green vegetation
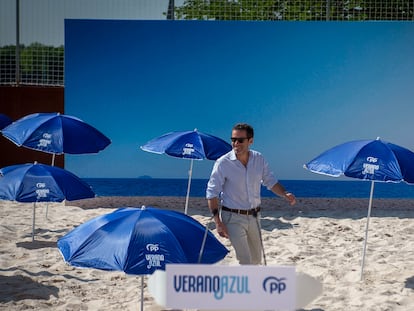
<point x="303" y="10"/>
<point x="38" y="62"/>
<point x="43" y="65"/>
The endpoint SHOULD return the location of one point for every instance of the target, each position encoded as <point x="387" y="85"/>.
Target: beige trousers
<point x="244" y="234"/>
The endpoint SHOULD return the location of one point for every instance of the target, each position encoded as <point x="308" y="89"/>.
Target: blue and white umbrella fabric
<point x="188" y="145"/>
<point x="139" y="241"/>
<point x="4" y="121"/>
<point x="375" y="160"/>
<point x="56" y="133"/>
<point x="41" y="183"/>
<point x="372" y="160"/>
<point x="192" y="145"/>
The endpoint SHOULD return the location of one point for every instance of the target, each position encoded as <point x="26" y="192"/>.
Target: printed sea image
<point x="301" y="188"/>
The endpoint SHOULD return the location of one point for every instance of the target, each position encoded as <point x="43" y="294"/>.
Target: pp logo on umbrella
<point x="152" y="247"/>
<point x="369" y="168"/>
<point x="188" y="150"/>
<point x="41" y="190"/>
<point x="45" y="141"/>
<point x="154" y="260"/>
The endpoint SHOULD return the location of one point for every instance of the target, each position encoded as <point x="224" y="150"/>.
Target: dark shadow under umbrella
<point x="41" y="183"/>
<point x="139" y="241"/>
<point x="373" y="160"/>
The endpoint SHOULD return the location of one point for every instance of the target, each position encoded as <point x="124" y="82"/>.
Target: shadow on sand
<point x="12" y="289"/>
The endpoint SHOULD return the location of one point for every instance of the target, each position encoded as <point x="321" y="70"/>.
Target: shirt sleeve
<point x="215" y="183"/>
<point x="269" y="180"/>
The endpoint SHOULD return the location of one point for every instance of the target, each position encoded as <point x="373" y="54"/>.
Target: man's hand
<point x="279" y="190"/>
<point x="222" y="229"/>
<point x="290" y="197"/>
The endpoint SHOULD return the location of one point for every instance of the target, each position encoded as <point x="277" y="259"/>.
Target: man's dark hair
<point x="246" y="127"/>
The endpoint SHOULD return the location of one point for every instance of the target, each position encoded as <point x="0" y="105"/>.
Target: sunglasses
<point x="239" y="140"/>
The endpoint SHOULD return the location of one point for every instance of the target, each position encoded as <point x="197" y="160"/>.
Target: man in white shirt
<point x="236" y="181"/>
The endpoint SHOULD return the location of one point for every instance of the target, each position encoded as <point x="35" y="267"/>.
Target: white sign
<point x="231" y="287"/>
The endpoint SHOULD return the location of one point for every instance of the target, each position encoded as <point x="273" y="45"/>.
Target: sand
<point x="321" y="237"/>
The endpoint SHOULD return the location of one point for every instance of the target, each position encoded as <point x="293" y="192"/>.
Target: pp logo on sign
<point x="273" y="284"/>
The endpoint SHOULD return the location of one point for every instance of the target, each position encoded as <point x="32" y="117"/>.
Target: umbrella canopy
<point x="366" y="159"/>
<point x="193" y="145"/>
<point x="56" y="133"/>
<point x="188" y="145"/>
<point x="139" y="241"/>
<point x="4" y="121"/>
<point x="373" y="160"/>
<point x="41" y="183"/>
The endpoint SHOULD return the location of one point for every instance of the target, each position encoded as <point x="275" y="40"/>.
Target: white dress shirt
<point x="237" y="185"/>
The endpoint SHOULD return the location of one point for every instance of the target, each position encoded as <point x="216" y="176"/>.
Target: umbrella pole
<point x="204" y="242"/>
<point x="142" y="292"/>
<point x="366" y="229"/>
<point x="33" y="224"/>
<point x="53" y="164"/>
<point x="190" y="173"/>
<point x="261" y="238"/>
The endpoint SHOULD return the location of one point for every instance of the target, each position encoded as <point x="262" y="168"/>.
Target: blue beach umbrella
<point x="56" y="133"/>
<point x="4" y="121"/>
<point x="139" y="241"/>
<point x="192" y="145"/>
<point x="373" y="160"/>
<point x="41" y="183"/>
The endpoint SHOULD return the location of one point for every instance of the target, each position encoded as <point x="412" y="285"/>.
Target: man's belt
<point x="247" y="212"/>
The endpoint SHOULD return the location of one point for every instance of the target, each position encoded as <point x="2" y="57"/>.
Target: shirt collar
<point x="232" y="155"/>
